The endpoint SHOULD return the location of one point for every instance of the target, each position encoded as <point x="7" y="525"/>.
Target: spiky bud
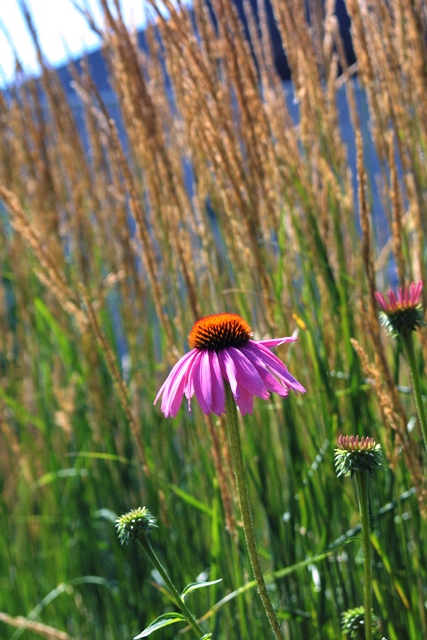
<point x="131" y="524"/>
<point x="355" y="454"/>
<point x="353" y="623"/>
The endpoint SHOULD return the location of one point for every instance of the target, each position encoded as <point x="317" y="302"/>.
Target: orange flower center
<point x="219" y="331"/>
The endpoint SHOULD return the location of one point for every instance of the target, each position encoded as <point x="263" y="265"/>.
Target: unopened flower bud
<point x="131" y="524"/>
<point x="355" y="454"/>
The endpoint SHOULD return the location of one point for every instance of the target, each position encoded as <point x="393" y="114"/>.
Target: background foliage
<point x="214" y="197"/>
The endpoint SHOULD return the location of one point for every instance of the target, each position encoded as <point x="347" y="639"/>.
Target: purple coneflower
<point x="403" y="309"/>
<point x="402" y="315"/>
<point x="222" y="349"/>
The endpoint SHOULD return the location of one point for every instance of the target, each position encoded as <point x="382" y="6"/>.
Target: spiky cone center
<point x="219" y="331"/>
<point x="133" y="523"/>
<point x="355" y="454"/>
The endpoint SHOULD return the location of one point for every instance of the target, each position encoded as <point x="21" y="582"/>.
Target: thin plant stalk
<point x="362" y="487"/>
<point x="415" y="378"/>
<point x="173" y="591"/>
<point x="242" y="491"/>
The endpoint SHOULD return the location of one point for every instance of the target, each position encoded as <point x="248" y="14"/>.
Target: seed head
<point x="131" y="524"/>
<point x="357" y="454"/>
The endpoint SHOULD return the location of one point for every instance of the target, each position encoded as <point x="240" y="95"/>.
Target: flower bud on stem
<point x="173" y="592"/>
<point x="136" y="524"/>
<point x="360" y="457"/>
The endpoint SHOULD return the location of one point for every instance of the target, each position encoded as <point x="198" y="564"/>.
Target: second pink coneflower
<point x="403" y="310"/>
<point x="401" y="315"/>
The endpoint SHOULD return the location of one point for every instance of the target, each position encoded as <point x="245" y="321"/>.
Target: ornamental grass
<point x="199" y="185"/>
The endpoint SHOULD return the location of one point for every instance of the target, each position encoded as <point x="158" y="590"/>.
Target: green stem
<point x="242" y="492"/>
<point x="173" y="591"/>
<point x="410" y="354"/>
<point x="362" y="486"/>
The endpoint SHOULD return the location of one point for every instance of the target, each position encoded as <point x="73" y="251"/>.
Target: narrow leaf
<point x="162" y="621"/>
<point x="197" y="585"/>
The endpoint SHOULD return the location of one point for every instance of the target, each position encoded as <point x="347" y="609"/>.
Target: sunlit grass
<point x="106" y="261"/>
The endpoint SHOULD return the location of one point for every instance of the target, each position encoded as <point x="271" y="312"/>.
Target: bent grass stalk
<point x="242" y="491"/>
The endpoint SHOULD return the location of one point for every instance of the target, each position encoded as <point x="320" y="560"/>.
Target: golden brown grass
<point x="278" y="223"/>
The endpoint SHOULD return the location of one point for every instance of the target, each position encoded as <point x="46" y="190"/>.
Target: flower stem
<point x="410" y="354"/>
<point x="242" y="492"/>
<point x="173" y="591"/>
<point x="362" y="487"/>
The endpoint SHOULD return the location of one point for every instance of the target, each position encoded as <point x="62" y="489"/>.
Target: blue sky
<point x="63" y="32"/>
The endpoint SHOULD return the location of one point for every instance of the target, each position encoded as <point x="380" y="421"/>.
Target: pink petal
<point x="245" y="402"/>
<point x="201" y="374"/>
<point x="275" y="342"/>
<point x="218" y="392"/>
<point x="381" y="300"/>
<point x="269" y="380"/>
<point x="228" y="370"/>
<point x="247" y="375"/>
<point x="275" y="364"/>
<point x="173" y="387"/>
<point x="393" y="300"/>
<point x="189" y="387"/>
<point x="418" y="288"/>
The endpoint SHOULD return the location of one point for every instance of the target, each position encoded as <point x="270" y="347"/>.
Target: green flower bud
<point x="133" y="523"/>
<point x="353" y="454"/>
<point x="353" y="623"/>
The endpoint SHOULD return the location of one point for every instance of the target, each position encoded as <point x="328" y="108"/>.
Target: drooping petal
<point x="189" y="386"/>
<point x="245" y="401"/>
<point x="173" y="387"/>
<point x="275" y="364"/>
<point x="201" y="375"/>
<point x="246" y="374"/>
<point x="176" y="369"/>
<point x="218" y="392"/>
<point x="271" y="383"/>
<point x="228" y="370"/>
